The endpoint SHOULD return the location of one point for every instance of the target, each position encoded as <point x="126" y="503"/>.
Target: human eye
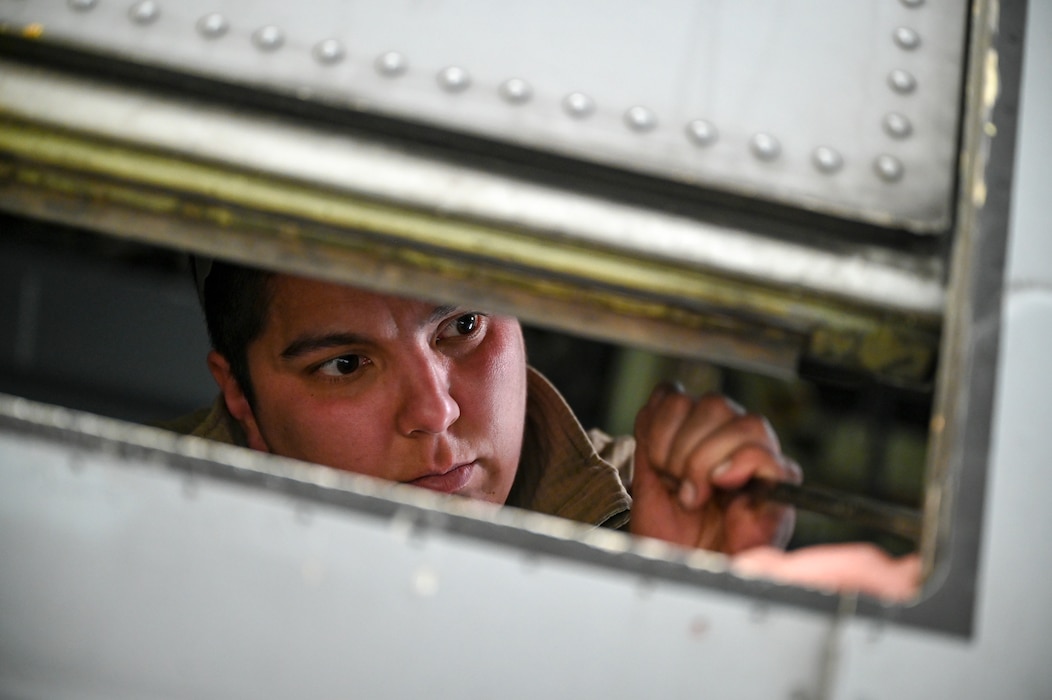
<point x="462" y="325"/>
<point x="341" y="366"/>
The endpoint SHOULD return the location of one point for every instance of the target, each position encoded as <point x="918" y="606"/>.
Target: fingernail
<point x="721" y="469"/>
<point x="668" y="387"/>
<point x="747" y="568"/>
<point x="688" y="494"/>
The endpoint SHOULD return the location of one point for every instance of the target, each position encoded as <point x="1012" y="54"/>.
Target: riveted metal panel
<point x="848" y="108"/>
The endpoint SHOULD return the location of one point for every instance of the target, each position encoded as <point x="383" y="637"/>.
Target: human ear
<point x="236" y="401"/>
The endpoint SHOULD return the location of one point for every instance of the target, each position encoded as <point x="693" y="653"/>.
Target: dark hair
<point x="235" y="301"/>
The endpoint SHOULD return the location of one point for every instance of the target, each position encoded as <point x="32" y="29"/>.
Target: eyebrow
<point x="312" y="343"/>
<point x="440" y="312"/>
<point x="308" y="344"/>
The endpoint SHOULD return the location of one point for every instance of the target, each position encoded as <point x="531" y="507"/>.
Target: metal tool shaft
<point x="897" y="520"/>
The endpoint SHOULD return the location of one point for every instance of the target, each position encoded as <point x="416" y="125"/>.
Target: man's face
<point x="399" y="389"/>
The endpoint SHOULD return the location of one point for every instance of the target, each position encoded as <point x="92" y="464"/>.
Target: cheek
<point x="336" y="433"/>
<point x="501" y="361"/>
<point x="500" y="389"/>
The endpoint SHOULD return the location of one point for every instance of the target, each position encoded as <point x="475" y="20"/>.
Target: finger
<point x="728" y="457"/>
<point x="753" y="461"/>
<point x="708" y="416"/>
<point x="647" y="480"/>
<point x="657" y="424"/>
<point x="857" y="567"/>
<point x="645" y="416"/>
<point x="752" y="522"/>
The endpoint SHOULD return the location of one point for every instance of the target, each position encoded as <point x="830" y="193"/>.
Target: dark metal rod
<point x="897" y="520"/>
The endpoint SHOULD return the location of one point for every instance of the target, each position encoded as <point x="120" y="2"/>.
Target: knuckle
<point x="718" y="406"/>
<point x="677" y="402"/>
<point x="756" y="454"/>
<point x="756" y="427"/>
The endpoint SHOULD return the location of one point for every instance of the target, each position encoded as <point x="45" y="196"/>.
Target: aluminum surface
<point x="618" y="83"/>
<point x="134" y="568"/>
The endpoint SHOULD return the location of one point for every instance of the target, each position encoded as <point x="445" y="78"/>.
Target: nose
<point x="426" y="404"/>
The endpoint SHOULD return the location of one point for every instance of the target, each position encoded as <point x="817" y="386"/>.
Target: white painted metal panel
<point x="129" y="573"/>
<point x="844" y="107"/>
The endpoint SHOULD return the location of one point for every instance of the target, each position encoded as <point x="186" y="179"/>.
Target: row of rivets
<point x="455" y="79"/>
<point x="905" y="38"/>
<point x="898" y="126"/>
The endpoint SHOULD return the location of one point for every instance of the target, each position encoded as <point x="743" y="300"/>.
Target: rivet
<point x="454" y="79"/>
<point x="765" y="146"/>
<point x="640" y="119"/>
<point x="144" y="12"/>
<point x="391" y="64"/>
<point x="889" y="168"/>
<point x="578" y="105"/>
<point x="897" y="126"/>
<point x="702" y="133"/>
<point x="906" y="38"/>
<point x="827" y="159"/>
<point x="902" y="81"/>
<point x="213" y="26"/>
<point x="516" y="91"/>
<point x="83" y="5"/>
<point x="328" y="52"/>
<point x="268" y="38"/>
<point x="912" y="3"/>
